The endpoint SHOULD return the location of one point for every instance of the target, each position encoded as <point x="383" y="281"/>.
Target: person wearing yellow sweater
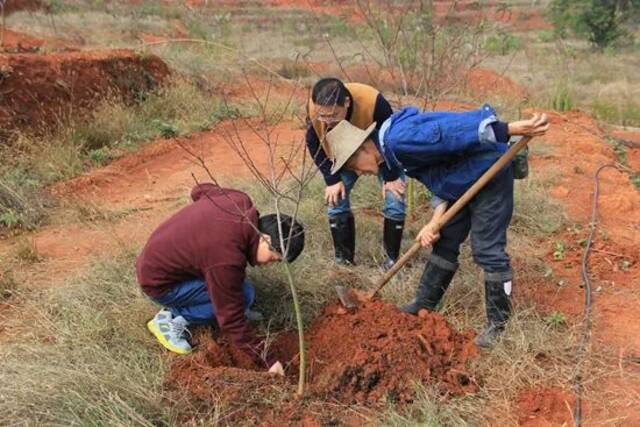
<point x="363" y="106"/>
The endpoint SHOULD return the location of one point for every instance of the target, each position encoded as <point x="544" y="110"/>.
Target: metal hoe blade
<point x="347" y="297"/>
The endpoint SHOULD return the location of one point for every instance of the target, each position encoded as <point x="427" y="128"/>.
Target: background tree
<point x="601" y="22"/>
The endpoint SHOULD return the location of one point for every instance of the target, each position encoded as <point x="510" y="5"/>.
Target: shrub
<point x="502" y="43"/>
<point x="601" y="22"/>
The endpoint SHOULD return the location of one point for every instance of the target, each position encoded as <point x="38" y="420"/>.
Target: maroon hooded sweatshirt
<point x="213" y="238"/>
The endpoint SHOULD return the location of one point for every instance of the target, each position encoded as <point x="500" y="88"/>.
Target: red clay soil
<point x="41" y="89"/>
<point x="16" y="42"/>
<point x="545" y="407"/>
<point x="12" y="6"/>
<point x="368" y="356"/>
<point x="517" y="17"/>
<point x="483" y="83"/>
<point x="344" y="8"/>
<point x="376" y="353"/>
<point x="576" y="147"/>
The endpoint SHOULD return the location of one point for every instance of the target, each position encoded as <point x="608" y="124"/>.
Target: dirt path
<point x="578" y="148"/>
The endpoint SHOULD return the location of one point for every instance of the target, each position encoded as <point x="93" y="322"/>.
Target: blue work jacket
<point x="445" y="151"/>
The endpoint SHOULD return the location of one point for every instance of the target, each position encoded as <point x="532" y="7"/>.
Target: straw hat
<point x="344" y="140"/>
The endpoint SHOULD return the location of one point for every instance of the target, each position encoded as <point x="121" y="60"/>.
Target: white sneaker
<point x="170" y="332"/>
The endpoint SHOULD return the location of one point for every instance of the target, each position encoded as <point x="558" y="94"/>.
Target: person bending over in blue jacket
<point x="448" y="152"/>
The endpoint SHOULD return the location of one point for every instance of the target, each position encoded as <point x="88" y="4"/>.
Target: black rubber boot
<point x="434" y="282"/>
<point x="391" y="240"/>
<point x="497" y="297"/>
<point x="343" y="232"/>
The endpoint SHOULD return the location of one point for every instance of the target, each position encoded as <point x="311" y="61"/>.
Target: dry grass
<point x="569" y="75"/>
<point x="90" y="361"/>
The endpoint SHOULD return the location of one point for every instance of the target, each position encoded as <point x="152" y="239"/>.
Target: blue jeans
<point x="487" y="216"/>
<point x="190" y="299"/>
<point x="394" y="208"/>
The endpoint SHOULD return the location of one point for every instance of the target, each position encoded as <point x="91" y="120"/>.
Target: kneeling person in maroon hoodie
<point x="194" y="265"/>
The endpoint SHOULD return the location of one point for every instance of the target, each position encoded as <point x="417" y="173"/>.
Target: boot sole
<point x="153" y="328"/>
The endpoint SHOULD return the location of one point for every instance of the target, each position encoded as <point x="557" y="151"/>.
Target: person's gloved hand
<point x="277" y="369"/>
<point x="334" y="193"/>
<point x="397" y="188"/>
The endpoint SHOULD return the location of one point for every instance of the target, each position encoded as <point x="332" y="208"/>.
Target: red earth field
<point x="42" y="89"/>
<point x="359" y="357"/>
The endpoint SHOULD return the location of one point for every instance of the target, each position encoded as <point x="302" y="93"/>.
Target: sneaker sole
<point x="151" y="326"/>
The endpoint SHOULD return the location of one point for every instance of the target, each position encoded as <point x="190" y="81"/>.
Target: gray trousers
<point x="487" y="216"/>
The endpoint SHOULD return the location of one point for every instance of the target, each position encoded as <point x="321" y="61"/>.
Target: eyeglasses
<point x="328" y="120"/>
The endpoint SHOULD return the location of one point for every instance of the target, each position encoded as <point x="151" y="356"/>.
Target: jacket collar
<point x="387" y="153"/>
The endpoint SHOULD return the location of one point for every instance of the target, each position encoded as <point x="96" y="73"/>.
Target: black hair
<point x="268" y="224"/>
<point x="328" y="92"/>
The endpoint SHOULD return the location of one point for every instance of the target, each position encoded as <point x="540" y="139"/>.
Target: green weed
<point x="562" y="99"/>
<point x="556" y="319"/>
<point x="559" y="250"/>
<point x="502" y="43"/>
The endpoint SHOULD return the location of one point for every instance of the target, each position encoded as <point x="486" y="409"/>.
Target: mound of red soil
<point x="40" y="89"/>
<point x="16" y="42"/>
<point x="12" y="6"/>
<point x="483" y="83"/>
<point x="377" y="353"/>
<point x="368" y="356"/>
<point x="545" y="407"/>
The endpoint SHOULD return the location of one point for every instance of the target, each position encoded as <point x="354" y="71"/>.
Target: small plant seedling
<point x="9" y="218"/>
<point x="556" y="319"/>
<point x="558" y="253"/>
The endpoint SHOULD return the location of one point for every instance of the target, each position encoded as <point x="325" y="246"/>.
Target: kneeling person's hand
<point x="277" y="369"/>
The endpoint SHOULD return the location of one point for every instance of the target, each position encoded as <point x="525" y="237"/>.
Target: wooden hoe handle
<point x="455" y="208"/>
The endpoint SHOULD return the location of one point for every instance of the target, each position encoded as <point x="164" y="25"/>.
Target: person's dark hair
<point x="329" y="91"/>
<point x="268" y="224"/>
